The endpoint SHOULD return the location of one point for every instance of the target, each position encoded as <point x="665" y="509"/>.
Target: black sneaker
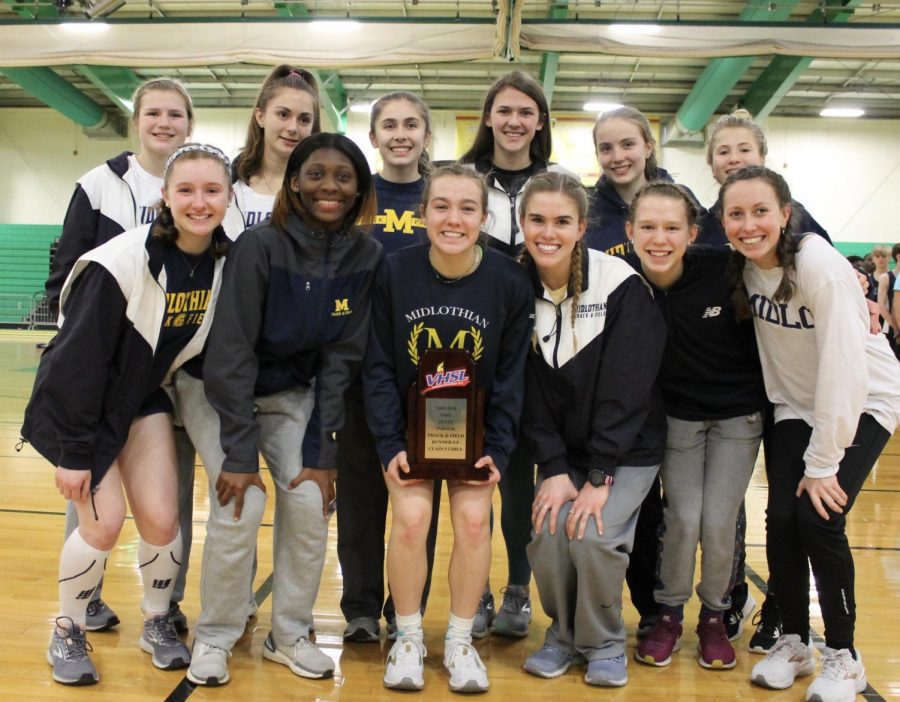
<point x="742" y="606"/>
<point x="484" y="616"/>
<point x="768" y="627"/>
<point x="178" y="618"/>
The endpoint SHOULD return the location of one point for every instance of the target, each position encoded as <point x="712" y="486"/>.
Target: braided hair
<point x="568" y="186"/>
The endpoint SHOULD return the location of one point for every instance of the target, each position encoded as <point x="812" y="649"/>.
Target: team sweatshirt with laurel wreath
<point x="487" y="313"/>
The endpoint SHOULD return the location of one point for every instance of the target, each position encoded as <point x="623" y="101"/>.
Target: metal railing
<point x="26" y="311"/>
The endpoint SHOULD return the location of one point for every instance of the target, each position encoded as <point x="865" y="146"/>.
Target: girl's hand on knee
<point x="590" y="502"/>
<point x="234" y="485"/>
<point x="399" y="464"/>
<point x="485" y="463"/>
<point x="73" y="484"/>
<point x="824" y="492"/>
<point x="553" y="493"/>
<point x="324" y="478"/>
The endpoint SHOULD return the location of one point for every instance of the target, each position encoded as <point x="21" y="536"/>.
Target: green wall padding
<point x="24" y="265"/>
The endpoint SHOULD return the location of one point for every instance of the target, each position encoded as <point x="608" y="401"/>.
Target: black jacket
<point x="711" y="365"/>
<point x="607" y="212"/>
<point x="591" y="397"/>
<point x="97" y="371"/>
<point x="294" y="308"/>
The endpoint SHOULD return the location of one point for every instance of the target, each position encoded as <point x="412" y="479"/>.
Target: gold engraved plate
<point x="445" y="428"/>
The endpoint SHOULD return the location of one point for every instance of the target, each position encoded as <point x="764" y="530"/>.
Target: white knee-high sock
<point x="159" y="568"/>
<point x="81" y="567"/>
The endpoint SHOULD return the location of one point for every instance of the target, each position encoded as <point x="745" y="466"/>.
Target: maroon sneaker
<point x="658" y="644"/>
<point x="714" y="647"/>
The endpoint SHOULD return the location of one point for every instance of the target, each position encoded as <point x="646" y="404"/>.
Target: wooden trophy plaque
<point x="445" y="425"/>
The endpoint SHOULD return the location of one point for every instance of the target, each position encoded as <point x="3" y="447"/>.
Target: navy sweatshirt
<point x="398" y="223"/>
<point x="711" y="368"/>
<point x="488" y="313"/>
<point x="607" y="212"/>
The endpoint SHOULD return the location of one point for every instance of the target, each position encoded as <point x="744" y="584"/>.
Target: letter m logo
<point x="342" y="305"/>
<point x="403" y="223"/>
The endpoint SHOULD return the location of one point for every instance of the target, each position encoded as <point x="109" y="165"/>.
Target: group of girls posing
<point x="613" y="393"/>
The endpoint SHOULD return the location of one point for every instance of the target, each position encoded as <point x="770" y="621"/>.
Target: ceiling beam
<point x="54" y="91"/>
<point x="333" y="100"/>
<point x="559" y="9"/>
<point x="116" y="83"/>
<point x="27" y="10"/>
<point x="721" y="75"/>
<point x="774" y="83"/>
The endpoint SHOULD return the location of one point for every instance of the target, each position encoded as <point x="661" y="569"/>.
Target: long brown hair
<point x="785" y="250"/>
<point x="483" y="145"/>
<point x="250" y="161"/>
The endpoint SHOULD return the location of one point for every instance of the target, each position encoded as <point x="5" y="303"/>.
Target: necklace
<point x="191" y="268"/>
<point x="476" y="259"/>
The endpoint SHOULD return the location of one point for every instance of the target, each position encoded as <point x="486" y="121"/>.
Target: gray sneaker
<point x="68" y="654"/>
<point x="306" y="659"/>
<point x="179" y="618"/>
<point x="607" y="672"/>
<point x="161" y="640"/>
<point x="209" y="665"/>
<point x="362" y="630"/>
<point x="100" y="616"/>
<point x="514" y="616"/>
<point x="484" y="616"/>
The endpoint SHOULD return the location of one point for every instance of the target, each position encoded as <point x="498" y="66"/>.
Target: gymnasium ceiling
<point x="715" y="55"/>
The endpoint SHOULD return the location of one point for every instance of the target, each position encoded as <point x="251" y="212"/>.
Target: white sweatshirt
<point x="819" y="361"/>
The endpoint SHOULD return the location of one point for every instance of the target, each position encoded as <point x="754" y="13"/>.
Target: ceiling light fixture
<point x="601" y="107"/>
<point x="842" y="112"/>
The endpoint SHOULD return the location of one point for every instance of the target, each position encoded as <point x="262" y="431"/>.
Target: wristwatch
<point x="598" y="478"/>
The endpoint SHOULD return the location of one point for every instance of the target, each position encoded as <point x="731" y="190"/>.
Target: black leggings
<point x="797" y="538"/>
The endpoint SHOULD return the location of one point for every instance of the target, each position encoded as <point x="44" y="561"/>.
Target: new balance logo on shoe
<point x="712" y="312"/>
<point x="161" y="584"/>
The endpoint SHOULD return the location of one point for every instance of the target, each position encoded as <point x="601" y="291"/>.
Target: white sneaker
<point x="840" y="679"/>
<point x="209" y="665"/>
<point x="786" y="660"/>
<point x="405" y="665"/>
<point x="467" y="672"/>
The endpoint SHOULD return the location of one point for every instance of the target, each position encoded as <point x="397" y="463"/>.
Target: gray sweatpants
<point x="186" y="457"/>
<point x="704" y="475"/>
<point x="580" y="581"/>
<point x="300" y="529"/>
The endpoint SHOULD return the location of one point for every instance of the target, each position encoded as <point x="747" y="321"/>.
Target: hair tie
<point x="205" y="148"/>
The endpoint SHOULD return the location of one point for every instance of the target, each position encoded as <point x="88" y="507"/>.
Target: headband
<point x="205" y="148"/>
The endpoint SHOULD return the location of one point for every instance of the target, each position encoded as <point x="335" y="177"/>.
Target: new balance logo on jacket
<point x="712" y="312"/>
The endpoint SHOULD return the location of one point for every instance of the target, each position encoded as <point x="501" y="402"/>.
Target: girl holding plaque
<point x="400" y="128"/>
<point x="597" y="423"/>
<point x="452" y="293"/>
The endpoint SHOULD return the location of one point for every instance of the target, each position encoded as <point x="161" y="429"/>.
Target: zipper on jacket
<point x="513" y="222"/>
<point x="558" y="335"/>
